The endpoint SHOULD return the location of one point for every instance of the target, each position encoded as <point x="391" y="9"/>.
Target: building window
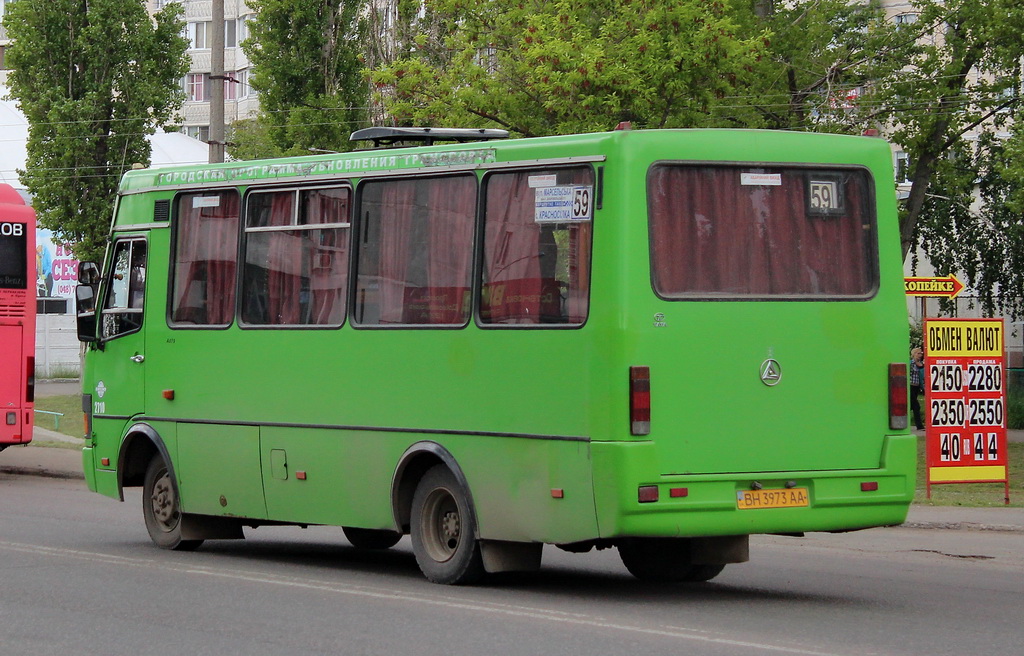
<point x="902" y="167"/>
<point x="200" y="132"/>
<point x="242" y="83"/>
<point x="230" y="33"/>
<point x="198" y="35"/>
<point x="196" y="87"/>
<point x="230" y="86"/>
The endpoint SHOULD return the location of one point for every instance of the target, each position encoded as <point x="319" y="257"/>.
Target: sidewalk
<point x="39" y="460"/>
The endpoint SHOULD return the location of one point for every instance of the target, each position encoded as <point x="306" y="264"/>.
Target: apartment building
<point x="240" y="100"/>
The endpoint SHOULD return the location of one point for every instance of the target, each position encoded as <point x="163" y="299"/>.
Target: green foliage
<point x="916" y="336"/>
<point x="93" y="79"/>
<point x="962" y="76"/>
<point x="554" y="67"/>
<point x="821" y="63"/>
<point x="307" y="68"/>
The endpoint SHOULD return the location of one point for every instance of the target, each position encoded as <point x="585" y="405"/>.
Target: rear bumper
<point x="837" y="501"/>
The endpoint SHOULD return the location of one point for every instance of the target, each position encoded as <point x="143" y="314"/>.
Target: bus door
<point x="118" y="393"/>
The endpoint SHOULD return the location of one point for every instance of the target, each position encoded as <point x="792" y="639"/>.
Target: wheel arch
<point x="413" y="464"/>
<point x="141" y="442"/>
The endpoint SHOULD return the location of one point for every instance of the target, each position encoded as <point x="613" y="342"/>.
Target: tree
<point x="950" y="108"/>
<point x="820" y="67"/>
<point x="307" y="67"/>
<point x="93" y="79"/>
<point x="559" y="66"/>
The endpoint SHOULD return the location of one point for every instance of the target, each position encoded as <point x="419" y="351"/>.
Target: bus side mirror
<point x="88" y="274"/>
<point x="85" y="300"/>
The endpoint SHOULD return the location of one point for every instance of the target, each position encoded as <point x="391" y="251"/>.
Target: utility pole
<point x="217" y="82"/>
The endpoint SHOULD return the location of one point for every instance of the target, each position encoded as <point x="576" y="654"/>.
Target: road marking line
<point x="576" y="619"/>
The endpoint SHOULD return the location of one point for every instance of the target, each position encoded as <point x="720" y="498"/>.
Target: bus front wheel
<point x="162" y="510"/>
<point x="444" y="531"/>
<point x="664" y="560"/>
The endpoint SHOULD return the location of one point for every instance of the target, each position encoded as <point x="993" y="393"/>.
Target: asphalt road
<point x="79" y="575"/>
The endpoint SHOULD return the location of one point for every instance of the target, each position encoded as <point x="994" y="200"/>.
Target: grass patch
<point x="973" y="495"/>
<point x="73" y="421"/>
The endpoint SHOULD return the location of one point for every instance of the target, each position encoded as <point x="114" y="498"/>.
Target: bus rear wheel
<point x="444" y="530"/>
<point x="162" y="510"/>
<point x="369" y="538"/>
<point x="664" y="560"/>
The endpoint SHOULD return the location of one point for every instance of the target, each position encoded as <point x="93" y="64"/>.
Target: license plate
<point x="795" y="497"/>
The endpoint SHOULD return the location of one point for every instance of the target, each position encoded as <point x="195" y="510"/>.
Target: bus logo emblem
<point x="771" y="372"/>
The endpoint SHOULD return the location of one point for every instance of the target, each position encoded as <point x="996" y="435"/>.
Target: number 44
<point x="981" y="440"/>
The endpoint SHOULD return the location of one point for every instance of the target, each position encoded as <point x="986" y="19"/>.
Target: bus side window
<point x="415" y="260"/>
<point x="537" y="239"/>
<point x="126" y="289"/>
<point x="295" y="270"/>
<point x="205" y="259"/>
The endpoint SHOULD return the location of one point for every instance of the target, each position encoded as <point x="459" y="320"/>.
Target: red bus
<point x="17" y="317"/>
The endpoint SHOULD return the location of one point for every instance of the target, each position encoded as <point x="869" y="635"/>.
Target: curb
<point x="13" y="470"/>
<point x="964" y="526"/>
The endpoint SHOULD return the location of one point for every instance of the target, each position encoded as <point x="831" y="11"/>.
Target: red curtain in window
<point x="398" y="203"/>
<point x="452" y="214"/>
<point x="533" y="273"/>
<point x="205" y="259"/>
<point x="284" y="263"/>
<point x="328" y="254"/>
<point x="512" y="280"/>
<point x="713" y="236"/>
<point x="578" y="299"/>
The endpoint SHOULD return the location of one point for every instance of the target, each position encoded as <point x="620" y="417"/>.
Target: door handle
<point x="137" y="358"/>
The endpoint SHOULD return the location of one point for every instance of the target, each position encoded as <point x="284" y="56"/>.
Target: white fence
<point x="57" y="346"/>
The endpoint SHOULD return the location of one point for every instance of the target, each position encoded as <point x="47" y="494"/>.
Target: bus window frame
<point x="243" y="239"/>
<point x="172" y="261"/>
<point x="356" y="251"/>
<point x="826" y="168"/>
<point x="597" y="173"/>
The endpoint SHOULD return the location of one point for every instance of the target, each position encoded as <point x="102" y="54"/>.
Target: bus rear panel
<point x="17" y="317"/>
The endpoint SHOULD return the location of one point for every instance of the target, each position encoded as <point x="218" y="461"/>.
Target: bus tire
<point x="664" y="560"/>
<point x="370" y="538"/>
<point x="162" y="509"/>
<point x="443" y="530"/>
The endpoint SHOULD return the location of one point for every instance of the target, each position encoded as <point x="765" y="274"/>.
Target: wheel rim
<point x="442" y="525"/>
<point x="164" y="503"/>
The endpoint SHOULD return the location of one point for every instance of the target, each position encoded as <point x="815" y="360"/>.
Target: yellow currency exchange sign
<point x="961" y="338"/>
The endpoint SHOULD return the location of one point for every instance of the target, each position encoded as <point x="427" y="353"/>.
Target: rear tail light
<point x="30" y="379"/>
<point x="898" y="396"/>
<point x="640" y="400"/>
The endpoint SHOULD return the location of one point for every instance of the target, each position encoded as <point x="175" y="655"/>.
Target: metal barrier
<point x="56" y="417"/>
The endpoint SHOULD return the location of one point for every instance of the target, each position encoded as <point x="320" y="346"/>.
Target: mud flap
<point x="501" y="556"/>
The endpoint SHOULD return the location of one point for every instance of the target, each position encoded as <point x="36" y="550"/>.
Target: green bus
<point x="661" y="341"/>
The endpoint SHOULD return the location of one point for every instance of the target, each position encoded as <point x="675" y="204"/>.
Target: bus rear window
<point x="13" y="262"/>
<point x="738" y="232"/>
